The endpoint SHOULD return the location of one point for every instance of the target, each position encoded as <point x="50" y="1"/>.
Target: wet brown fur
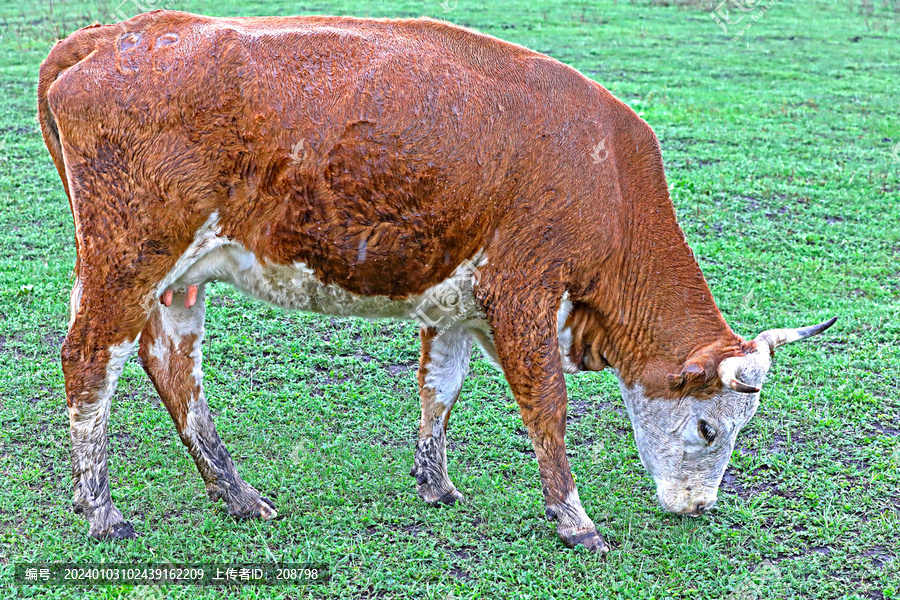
<point x="419" y="141"/>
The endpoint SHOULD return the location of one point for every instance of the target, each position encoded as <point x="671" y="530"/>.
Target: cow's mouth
<point x="686" y="501"/>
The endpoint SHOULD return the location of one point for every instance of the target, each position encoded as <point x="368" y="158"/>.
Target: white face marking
<point x="686" y="468"/>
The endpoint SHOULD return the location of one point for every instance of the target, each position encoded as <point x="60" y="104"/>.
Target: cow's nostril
<point x="699" y="508"/>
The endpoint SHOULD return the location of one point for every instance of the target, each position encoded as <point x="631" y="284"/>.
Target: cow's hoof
<point x="261" y="508"/>
<point x="439" y="497"/>
<point x="590" y="539"/>
<point x="122" y="530"/>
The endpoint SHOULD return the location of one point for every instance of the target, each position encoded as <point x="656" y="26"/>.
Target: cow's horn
<point x="728" y="370"/>
<point x="779" y="337"/>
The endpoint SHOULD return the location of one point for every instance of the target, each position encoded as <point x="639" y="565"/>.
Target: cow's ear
<point x="691" y="375"/>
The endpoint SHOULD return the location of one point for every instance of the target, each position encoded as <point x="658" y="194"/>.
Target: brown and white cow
<point x="377" y="168"/>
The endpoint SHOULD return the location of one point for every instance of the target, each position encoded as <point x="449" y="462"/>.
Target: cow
<point x="406" y="169"/>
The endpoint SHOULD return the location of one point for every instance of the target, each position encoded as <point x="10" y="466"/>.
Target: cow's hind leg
<point x="443" y="365"/>
<point x="170" y="349"/>
<point x="103" y="333"/>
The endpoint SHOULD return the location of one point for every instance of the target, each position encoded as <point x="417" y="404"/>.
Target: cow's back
<point x="316" y="137"/>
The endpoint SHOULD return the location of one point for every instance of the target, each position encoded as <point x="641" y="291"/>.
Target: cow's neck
<point x="651" y="310"/>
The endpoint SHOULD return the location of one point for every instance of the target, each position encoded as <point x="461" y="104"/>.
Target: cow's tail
<point x="64" y="55"/>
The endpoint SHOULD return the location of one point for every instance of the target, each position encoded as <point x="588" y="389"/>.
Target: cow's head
<point x="685" y="423"/>
<point x="686" y="443"/>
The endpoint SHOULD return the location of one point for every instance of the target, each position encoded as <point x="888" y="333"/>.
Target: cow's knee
<point x="443" y="366"/>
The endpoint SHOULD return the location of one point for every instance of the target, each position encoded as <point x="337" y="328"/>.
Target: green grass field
<point x="783" y="155"/>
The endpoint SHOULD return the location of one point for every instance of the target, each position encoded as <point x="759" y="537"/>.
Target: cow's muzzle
<point x="686" y="501"/>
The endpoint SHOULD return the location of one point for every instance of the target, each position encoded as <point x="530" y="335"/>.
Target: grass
<point x="778" y="149"/>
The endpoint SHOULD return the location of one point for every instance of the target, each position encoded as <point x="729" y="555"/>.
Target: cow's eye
<point x="706" y="431"/>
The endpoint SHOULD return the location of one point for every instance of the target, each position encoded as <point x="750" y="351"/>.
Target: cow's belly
<point x="296" y="287"/>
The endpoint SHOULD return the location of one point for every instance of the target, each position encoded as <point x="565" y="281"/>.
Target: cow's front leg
<point x="171" y="352"/>
<point x="443" y="365"/>
<point x="525" y="337"/>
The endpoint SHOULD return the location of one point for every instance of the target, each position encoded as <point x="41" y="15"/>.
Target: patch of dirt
<point x="18" y="130"/>
<point x="879" y="556"/>
<point x="393" y="443"/>
<point x="411" y="529"/>
<point x="575" y="410"/>
<point x="328" y="380"/>
<point x="54" y="340"/>
<point x="779" y="442"/>
<point x="778" y="445"/>
<point x="879" y="427"/>
<point x="732" y="482"/>
<point x="859" y="463"/>
<point x="814" y="550"/>
<point x="400" y="369"/>
<point x="460" y="574"/>
<point x="123" y="440"/>
<point x="773" y="216"/>
<point x="615" y="407"/>
<point x="14" y="351"/>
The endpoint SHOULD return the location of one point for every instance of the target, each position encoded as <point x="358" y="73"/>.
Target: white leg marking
<point x="75" y="300"/>
<point x="448" y="364"/>
<point x="570" y="514"/>
<point x="564" y="335"/>
<point x="88" y="423"/>
<point x="486" y="342"/>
